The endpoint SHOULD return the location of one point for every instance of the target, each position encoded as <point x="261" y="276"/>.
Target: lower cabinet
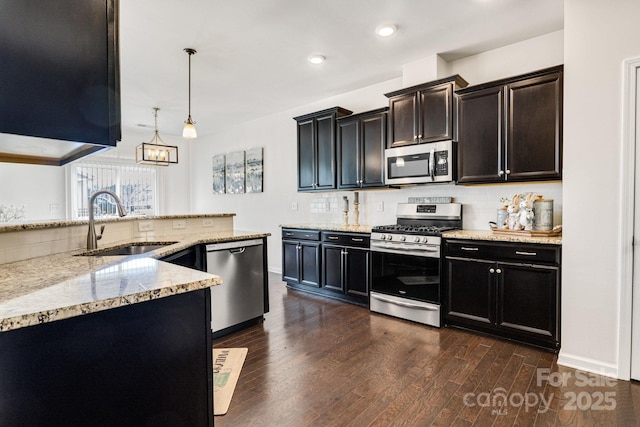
<point x="505" y="289"/>
<point x="333" y="264"/>
<point x="301" y="257"/>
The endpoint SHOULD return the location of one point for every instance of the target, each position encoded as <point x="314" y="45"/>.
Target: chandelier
<point x="156" y="152"/>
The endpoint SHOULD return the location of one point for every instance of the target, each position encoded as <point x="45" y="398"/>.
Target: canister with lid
<point x="543" y="214"/>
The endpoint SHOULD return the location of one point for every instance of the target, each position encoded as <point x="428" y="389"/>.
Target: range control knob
<point x="403" y="238"/>
<point x="417" y="240"/>
<point x="383" y="237"/>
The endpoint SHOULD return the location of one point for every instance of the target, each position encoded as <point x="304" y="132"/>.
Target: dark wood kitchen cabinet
<point x="361" y="143"/>
<point x="301" y="257"/>
<point x="317" y="149"/>
<point x="511" y="129"/>
<point x="346" y="265"/>
<point x="510" y="290"/>
<point x="60" y="77"/>
<point x="423" y="113"/>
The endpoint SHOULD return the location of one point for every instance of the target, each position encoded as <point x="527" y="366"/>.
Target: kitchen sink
<point x="130" y="249"/>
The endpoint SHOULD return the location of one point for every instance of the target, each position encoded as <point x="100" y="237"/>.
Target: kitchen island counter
<point x="108" y="340"/>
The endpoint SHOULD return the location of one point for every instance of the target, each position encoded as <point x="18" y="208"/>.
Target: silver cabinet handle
<point x="466" y="248"/>
<point x="355" y="239"/>
<point x="332" y="237"/>
<point x="526" y="253"/>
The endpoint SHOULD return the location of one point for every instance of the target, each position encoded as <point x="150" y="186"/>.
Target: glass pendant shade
<point x="189" y="130"/>
<point x="156" y="152"/>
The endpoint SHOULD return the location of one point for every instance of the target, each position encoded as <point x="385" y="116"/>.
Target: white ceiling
<point x="251" y="58"/>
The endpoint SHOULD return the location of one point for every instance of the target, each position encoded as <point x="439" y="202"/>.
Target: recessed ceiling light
<point x="386" y="30"/>
<point x="316" y="59"/>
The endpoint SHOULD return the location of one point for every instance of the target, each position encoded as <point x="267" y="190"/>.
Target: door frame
<point x="630" y="121"/>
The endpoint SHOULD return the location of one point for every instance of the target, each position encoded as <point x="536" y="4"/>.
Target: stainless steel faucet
<point x="92" y="239"/>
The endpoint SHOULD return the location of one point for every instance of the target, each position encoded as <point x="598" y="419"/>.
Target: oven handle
<point x="381" y="248"/>
<point x="403" y="304"/>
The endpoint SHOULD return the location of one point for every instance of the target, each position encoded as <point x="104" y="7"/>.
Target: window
<point x="135" y="185"/>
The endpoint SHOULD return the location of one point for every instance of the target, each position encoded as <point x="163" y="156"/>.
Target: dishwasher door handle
<point x="237" y="251"/>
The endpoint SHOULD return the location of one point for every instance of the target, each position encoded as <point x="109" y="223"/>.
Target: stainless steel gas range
<point x="405" y="259"/>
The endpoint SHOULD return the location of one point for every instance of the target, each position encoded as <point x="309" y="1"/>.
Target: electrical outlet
<point x="179" y="224"/>
<point x="294" y="206"/>
<point x="207" y="222"/>
<point x="380" y="206"/>
<point x="145" y="226"/>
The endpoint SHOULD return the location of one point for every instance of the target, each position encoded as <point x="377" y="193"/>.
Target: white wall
<point x="597" y="39"/>
<point x="41" y="189"/>
<point x="277" y="134"/>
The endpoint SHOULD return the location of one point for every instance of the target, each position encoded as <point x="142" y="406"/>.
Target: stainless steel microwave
<point x="419" y="164"/>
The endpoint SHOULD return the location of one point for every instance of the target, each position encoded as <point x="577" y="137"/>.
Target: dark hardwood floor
<point x="320" y="362"/>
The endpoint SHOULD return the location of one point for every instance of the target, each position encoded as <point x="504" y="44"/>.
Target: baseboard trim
<point x="588" y="365"/>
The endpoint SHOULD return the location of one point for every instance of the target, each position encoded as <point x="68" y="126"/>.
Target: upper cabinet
<point x="60" y="79"/>
<point x="361" y="143"/>
<point x="423" y="113"/>
<point x="317" y="149"/>
<point x="511" y="130"/>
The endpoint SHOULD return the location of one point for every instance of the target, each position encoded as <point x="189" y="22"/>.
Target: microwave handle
<point x="432" y="165"/>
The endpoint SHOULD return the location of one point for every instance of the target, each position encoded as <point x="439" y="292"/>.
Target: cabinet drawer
<point x="516" y="252"/>
<point x="358" y="240"/>
<point x="300" y="234"/>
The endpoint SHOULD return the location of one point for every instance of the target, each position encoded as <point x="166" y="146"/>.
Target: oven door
<point x="406" y="276"/>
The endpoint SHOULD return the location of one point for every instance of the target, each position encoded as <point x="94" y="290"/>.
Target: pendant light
<point x="156" y="152"/>
<point x="189" y="130"/>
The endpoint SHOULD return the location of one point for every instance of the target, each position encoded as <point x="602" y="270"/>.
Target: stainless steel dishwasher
<point x="240" y="297"/>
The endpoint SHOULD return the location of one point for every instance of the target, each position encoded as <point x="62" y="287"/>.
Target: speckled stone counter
<point x="331" y="227"/>
<point x="490" y="236"/>
<point x="38" y="225"/>
<point x="54" y="287"/>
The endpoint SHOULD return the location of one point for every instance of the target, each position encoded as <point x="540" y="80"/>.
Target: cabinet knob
<point x="500" y="173"/>
<point x="498" y="270"/>
<point x="508" y="171"/>
<point x="492" y="270"/>
<point x="419" y="136"/>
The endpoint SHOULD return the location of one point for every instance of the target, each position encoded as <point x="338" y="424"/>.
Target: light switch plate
<point x="380" y="206"/>
<point x="294" y="206"/>
<point x="179" y="224"/>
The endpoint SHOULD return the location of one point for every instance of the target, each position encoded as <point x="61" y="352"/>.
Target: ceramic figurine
<point x="512" y="211"/>
<point x="525" y="214"/>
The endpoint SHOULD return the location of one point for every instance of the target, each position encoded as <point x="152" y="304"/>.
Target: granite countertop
<point x="330" y="227"/>
<point x="489" y="235"/>
<point x="60" y="286"/>
<point x="35" y="225"/>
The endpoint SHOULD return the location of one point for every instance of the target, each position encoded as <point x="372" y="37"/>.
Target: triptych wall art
<point x="238" y="172"/>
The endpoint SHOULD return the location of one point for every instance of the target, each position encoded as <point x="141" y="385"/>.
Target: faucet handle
<point x="98" y="237"/>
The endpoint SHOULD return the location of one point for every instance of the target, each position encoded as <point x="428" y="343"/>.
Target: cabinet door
<point x="534" y="132"/>
<point x="357" y="271"/>
<point x="470" y="290"/>
<point x="403" y="120"/>
<point x="348" y="154"/>
<point x="325" y="153"/>
<point x="373" y="140"/>
<point x="333" y="267"/>
<point x="290" y="262"/>
<point x="310" y="263"/>
<point x="527" y="299"/>
<point x="436" y="113"/>
<point x="480" y="136"/>
<point x="306" y="155"/>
